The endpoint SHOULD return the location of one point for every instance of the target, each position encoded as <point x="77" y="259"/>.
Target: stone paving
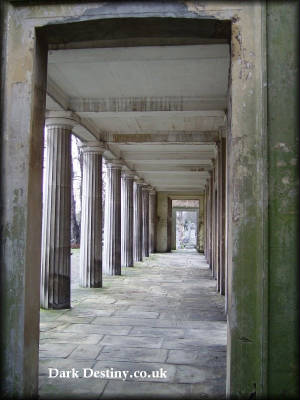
<point x="162" y="314"/>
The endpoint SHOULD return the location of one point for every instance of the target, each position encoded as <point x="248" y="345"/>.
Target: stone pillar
<point x="127" y="219"/>
<point x="152" y="221"/>
<point x="91" y="216"/>
<point x="56" y="234"/>
<point x="169" y="225"/>
<point x="223" y="205"/>
<point x="210" y="209"/>
<point x="205" y="221"/>
<point x="220" y="226"/>
<point x="145" y="212"/>
<point x="201" y="223"/>
<point x="112" y="225"/>
<point x="137" y="220"/>
<point x="214" y="213"/>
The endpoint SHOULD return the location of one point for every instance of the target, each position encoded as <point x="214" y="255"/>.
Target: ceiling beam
<point x="148" y="104"/>
<point x="163" y="156"/>
<point x="171" y="168"/>
<point x="179" y="189"/>
<point x="129" y="54"/>
<point x="163" y="138"/>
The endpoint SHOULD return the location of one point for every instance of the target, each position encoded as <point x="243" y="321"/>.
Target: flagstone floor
<point x="162" y="315"/>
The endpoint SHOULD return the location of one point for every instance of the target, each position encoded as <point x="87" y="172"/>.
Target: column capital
<point x="146" y="187"/>
<point x="127" y="174"/>
<point x="62" y="118"/>
<point x="93" y="147"/>
<point x="139" y="181"/>
<point x="152" y="191"/>
<point x="114" y="164"/>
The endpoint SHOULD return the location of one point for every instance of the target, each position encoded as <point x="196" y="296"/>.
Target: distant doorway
<point x="186" y="229"/>
<point x="185" y="224"/>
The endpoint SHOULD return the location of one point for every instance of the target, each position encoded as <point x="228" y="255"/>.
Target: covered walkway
<point x="163" y="313"/>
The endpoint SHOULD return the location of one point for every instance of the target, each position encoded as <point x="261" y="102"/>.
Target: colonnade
<point x="129" y="223"/>
<point x="214" y="217"/>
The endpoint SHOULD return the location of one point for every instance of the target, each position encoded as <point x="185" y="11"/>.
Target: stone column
<point x="137" y="220"/>
<point x="56" y="235"/>
<point x="201" y="226"/>
<point x="223" y="205"/>
<point x="91" y="216"/>
<point x="152" y="220"/>
<point x="127" y="219"/>
<point x="210" y="219"/>
<point x="112" y="224"/>
<point x="145" y="212"/>
<point x="219" y="215"/>
<point x="205" y="221"/>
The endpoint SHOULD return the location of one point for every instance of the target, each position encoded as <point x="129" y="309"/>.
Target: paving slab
<point x="60" y="350"/>
<point x="151" y="322"/>
<point x="169" y="343"/>
<point x="136" y="314"/>
<point x="149" y="390"/>
<point x="71" y="388"/>
<point x="85" y="352"/>
<point x="200" y="358"/>
<point x="67" y="337"/>
<point x="132" y="354"/>
<point x="132" y="341"/>
<point x="97" y="329"/>
<point x="160" y="332"/>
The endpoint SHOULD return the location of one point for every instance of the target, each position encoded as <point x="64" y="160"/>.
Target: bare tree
<point x="75" y="229"/>
<point x="76" y="191"/>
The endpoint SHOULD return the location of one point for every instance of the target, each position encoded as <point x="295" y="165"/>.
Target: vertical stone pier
<point x="152" y="221"/>
<point x="91" y="216"/>
<point x="55" y="257"/>
<point x="112" y="224"/>
<point x="137" y="220"/>
<point x="145" y="213"/>
<point x="127" y="219"/>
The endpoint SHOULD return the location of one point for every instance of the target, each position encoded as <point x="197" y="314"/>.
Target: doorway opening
<point x="186" y="229"/>
<point x="170" y="146"/>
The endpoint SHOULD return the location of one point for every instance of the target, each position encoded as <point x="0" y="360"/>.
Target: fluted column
<point x="112" y="224"/>
<point x="152" y="221"/>
<point x="55" y="257"/>
<point x="91" y="216"/>
<point x="127" y="219"/>
<point x="137" y="220"/>
<point x="145" y="212"/>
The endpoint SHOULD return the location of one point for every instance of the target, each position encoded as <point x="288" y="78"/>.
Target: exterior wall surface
<point x="283" y="146"/>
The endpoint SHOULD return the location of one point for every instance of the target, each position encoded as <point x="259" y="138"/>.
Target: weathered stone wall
<point x="283" y="146"/>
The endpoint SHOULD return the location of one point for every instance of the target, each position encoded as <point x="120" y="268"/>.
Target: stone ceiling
<point x="158" y="108"/>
